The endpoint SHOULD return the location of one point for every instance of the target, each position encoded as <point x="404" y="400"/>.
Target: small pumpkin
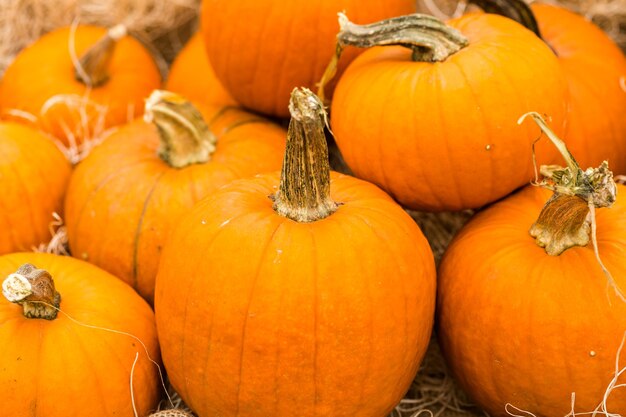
<point x="57" y="364"/>
<point x="433" y="124"/>
<point x="595" y="70"/>
<point x="329" y="314"/>
<point x="261" y="49"/>
<point x="124" y="198"/>
<point x="526" y="316"/>
<point x="192" y="77"/>
<point x="34" y="176"/>
<point x="75" y="102"/>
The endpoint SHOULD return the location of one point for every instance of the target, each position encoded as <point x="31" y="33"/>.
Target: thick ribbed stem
<point x="564" y="221"/>
<point x="428" y="37"/>
<point x="304" y="192"/>
<point x="34" y="290"/>
<point x="517" y="10"/>
<point x="185" y="136"/>
<point x="93" y="68"/>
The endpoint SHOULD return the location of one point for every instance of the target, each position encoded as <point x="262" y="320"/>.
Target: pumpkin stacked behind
<point x="43" y="81"/>
<point x="191" y="75"/>
<point x="262" y="49"/>
<point x="33" y="178"/>
<point x="127" y="195"/>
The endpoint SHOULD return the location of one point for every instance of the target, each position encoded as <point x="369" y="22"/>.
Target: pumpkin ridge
<point x="135" y="282"/>
<point x="183" y="391"/>
<point x="261" y="263"/>
<point x="99" y="187"/>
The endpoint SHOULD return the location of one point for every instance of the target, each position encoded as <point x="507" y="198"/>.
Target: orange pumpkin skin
<point x="123" y="199"/>
<point x="444" y="136"/>
<point x="261" y="49"/>
<point x="519" y="326"/>
<point x="191" y="75"/>
<point x="329" y="318"/>
<point x="57" y="368"/>
<point x="45" y="69"/>
<point x="34" y="175"/>
<point x="595" y="69"/>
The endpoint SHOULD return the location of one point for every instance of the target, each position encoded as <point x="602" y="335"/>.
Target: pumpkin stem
<point x="429" y="38"/>
<point x="93" y="68"/>
<point x="304" y="192"/>
<point x="185" y="136"/>
<point x="517" y="10"/>
<point x="569" y="216"/>
<point x="33" y="289"/>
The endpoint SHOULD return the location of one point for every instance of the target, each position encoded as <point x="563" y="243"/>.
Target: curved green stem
<point x="429" y="38"/>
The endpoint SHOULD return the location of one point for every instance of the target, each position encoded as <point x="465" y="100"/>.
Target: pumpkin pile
<point x="214" y="249"/>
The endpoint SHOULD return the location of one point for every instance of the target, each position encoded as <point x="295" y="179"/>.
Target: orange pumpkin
<point x="34" y="175"/>
<point x="191" y="75"/>
<point x="57" y="364"/>
<point x="72" y="105"/>
<point x="595" y="70"/>
<point x="330" y="312"/>
<point x="521" y="326"/>
<point x="261" y="49"/>
<point x="124" y="198"/>
<point x="442" y="135"/>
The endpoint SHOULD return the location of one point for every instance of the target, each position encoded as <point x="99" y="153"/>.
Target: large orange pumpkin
<point x="442" y="135"/>
<point x="43" y="82"/>
<point x="33" y="177"/>
<point x="191" y="75"/>
<point x="330" y="312"/>
<point x="58" y="364"/>
<point x="262" y="49"/>
<point x="124" y="198"/>
<point x="595" y="70"/>
<point x="523" y="327"/>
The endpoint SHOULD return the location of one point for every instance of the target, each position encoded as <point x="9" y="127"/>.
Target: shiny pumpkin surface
<point x="262" y="49"/>
<point x="595" y="69"/>
<point x="328" y="318"/>
<point x="519" y="326"/>
<point x="444" y="136"/>
<point x="45" y="70"/>
<point x="33" y="178"/>
<point x="191" y="75"/>
<point x="58" y="368"/>
<point x="123" y="199"/>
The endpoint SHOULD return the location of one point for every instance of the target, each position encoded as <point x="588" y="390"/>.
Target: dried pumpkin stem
<point x="568" y="218"/>
<point x="185" y="136"/>
<point x="429" y="38"/>
<point x="34" y="290"/>
<point x="517" y="10"/>
<point x="304" y="192"/>
<point x="93" y="66"/>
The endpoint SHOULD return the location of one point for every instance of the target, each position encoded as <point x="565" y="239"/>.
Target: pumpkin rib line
<point x="315" y="317"/>
<point x="208" y="247"/>
<point x="139" y="225"/>
<point x="281" y="79"/>
<point x="397" y="262"/>
<point x="485" y="123"/>
<point x="195" y="276"/>
<point x="262" y="257"/>
<point x="94" y="191"/>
